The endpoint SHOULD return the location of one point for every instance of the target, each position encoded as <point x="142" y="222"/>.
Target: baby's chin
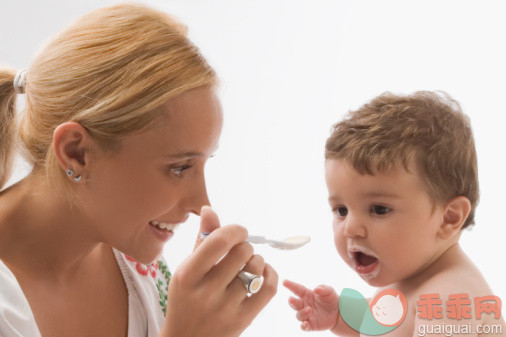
<point x="377" y="280"/>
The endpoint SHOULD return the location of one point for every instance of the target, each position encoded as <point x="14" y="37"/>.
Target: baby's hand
<point x="317" y="309"/>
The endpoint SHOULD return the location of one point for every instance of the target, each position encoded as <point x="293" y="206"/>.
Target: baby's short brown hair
<point x="429" y="127"/>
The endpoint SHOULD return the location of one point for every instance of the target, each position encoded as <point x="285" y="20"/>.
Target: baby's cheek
<point x="340" y="241"/>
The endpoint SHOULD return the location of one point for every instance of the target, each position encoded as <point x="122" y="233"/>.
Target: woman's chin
<point x="145" y="257"/>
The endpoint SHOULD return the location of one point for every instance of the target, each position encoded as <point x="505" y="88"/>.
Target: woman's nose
<point x="196" y="196"/>
<point x="354" y="227"/>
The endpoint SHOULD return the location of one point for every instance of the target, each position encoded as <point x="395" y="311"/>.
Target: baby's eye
<point x="380" y="210"/>
<point x="341" y="211"/>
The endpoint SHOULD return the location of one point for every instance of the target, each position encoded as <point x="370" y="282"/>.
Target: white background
<point x="290" y="69"/>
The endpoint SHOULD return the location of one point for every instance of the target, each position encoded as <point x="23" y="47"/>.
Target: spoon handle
<point x="256" y="239"/>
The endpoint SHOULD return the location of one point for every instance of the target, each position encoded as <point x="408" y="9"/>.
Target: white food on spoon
<point x="297" y="240"/>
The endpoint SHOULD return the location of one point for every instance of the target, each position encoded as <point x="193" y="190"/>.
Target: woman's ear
<point x="454" y="217"/>
<point x="71" y="145"/>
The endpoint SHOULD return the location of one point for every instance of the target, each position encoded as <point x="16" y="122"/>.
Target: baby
<point x="402" y="177"/>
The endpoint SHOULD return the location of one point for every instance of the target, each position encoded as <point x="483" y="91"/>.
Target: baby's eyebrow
<point x="333" y="198"/>
<point x="381" y="194"/>
<point x="373" y="194"/>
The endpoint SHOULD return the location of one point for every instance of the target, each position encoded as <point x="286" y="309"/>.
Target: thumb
<point x="324" y="291"/>
<point x="327" y="297"/>
<point x="209" y="221"/>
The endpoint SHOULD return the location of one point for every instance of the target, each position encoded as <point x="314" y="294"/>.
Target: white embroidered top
<point x="147" y="299"/>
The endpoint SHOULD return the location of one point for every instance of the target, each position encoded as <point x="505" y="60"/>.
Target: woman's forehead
<point x="189" y="125"/>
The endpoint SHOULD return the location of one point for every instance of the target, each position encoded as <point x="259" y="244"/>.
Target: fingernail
<point x="205" y="208"/>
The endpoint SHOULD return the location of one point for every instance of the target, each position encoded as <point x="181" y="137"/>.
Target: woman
<point x="121" y="116"/>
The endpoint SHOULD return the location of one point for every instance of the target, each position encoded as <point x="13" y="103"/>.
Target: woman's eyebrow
<point x="185" y="154"/>
<point x="189" y="154"/>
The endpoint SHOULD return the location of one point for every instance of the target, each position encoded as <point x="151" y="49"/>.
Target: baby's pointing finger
<point x="297" y="289"/>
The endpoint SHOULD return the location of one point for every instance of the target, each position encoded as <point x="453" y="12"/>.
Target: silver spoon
<point x="293" y="242"/>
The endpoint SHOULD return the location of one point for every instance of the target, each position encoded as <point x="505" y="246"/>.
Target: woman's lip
<point x="161" y="234"/>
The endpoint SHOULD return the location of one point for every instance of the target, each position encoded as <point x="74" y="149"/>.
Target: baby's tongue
<point x="365" y="259"/>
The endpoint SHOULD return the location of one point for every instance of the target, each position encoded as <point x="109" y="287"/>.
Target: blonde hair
<point x="108" y="71"/>
<point x="427" y="126"/>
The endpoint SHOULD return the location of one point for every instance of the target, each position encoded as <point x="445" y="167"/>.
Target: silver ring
<point x="252" y="282"/>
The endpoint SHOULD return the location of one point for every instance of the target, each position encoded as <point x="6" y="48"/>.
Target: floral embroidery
<point x="144" y="269"/>
<point x="162" y="292"/>
<point x="162" y="284"/>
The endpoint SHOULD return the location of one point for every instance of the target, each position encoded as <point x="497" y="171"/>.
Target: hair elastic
<point x="20" y="81"/>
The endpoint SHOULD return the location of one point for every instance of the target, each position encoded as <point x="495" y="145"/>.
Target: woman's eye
<point x="341" y="211"/>
<point x="380" y="210"/>
<point x="180" y="169"/>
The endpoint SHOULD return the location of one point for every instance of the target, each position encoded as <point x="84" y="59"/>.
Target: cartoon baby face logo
<point x="389" y="307"/>
<point x="383" y="314"/>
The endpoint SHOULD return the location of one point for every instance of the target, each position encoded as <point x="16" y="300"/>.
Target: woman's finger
<point x="213" y="248"/>
<point x="209" y="222"/>
<point x="255" y="303"/>
<point x="226" y="270"/>
<point x="237" y="288"/>
<point x="255" y="265"/>
<point x="297" y="289"/>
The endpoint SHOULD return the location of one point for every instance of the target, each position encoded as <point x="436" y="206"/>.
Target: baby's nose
<point x="354" y="228"/>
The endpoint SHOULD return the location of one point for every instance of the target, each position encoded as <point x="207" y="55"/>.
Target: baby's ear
<point x="454" y="217"/>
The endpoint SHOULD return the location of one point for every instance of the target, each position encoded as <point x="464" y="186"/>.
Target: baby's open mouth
<point x="364" y="263"/>
<point x="364" y="259"/>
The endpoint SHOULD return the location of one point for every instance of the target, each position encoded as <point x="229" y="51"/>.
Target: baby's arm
<point x="318" y="309"/>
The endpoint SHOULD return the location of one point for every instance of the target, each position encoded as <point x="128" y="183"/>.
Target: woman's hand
<point x="206" y="298"/>
<point x="317" y="309"/>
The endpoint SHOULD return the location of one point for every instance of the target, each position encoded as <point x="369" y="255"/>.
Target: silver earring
<point x="77" y="178"/>
<point x="70" y="172"/>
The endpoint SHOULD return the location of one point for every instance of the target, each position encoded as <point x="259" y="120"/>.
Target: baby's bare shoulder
<point x="463" y="278"/>
<point x="451" y="297"/>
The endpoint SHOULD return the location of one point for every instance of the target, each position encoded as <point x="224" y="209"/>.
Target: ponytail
<point x="108" y="71"/>
<point x="7" y="122"/>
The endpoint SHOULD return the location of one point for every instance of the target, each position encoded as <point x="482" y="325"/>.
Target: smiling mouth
<point x="164" y="226"/>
